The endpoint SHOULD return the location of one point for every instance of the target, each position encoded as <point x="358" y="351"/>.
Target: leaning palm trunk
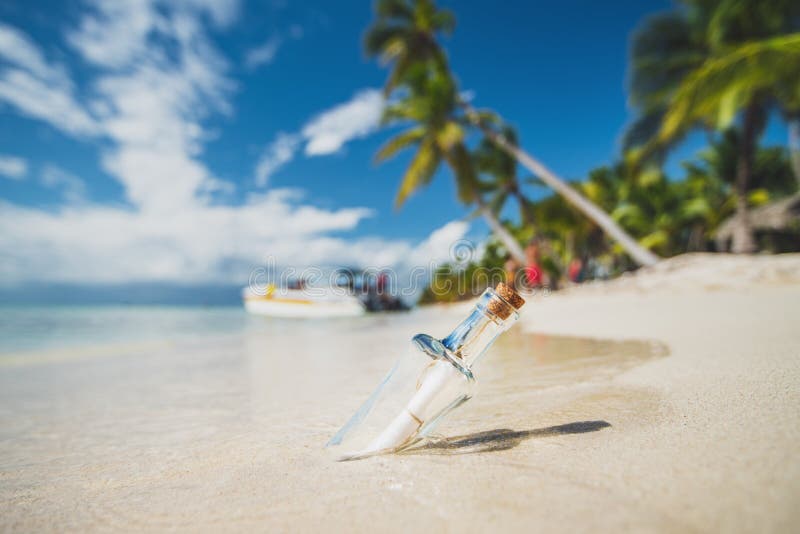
<point x="505" y="237"/>
<point x="525" y="212"/>
<point x="794" y="145"/>
<point x="743" y="237"/>
<point x="640" y="255"/>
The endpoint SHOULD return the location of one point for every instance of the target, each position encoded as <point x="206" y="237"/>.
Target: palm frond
<point x="643" y="129"/>
<point x="497" y="202"/>
<point x="419" y="172"/>
<point x="412" y="108"/>
<point x="663" y="50"/>
<point x="461" y="164"/>
<point x="399" y="142"/>
<point x="397" y="74"/>
<point x="394" y="9"/>
<point x="492" y="160"/>
<point x="444" y="21"/>
<point x="379" y="35"/>
<point x="449" y="135"/>
<point x="724" y="84"/>
<point x="654" y="239"/>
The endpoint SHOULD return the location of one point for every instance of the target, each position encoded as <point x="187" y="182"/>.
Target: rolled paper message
<point x="408" y="422"/>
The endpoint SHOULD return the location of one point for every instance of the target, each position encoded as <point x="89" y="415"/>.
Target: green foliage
<point x="420" y="171"/>
<point x="404" y="34"/>
<point x="708" y="65"/>
<point x="671" y="216"/>
<point x="725" y="84"/>
<point x="666" y="215"/>
<point x="702" y="64"/>
<point x="399" y="142"/>
<point x="720" y="65"/>
<point x="453" y="282"/>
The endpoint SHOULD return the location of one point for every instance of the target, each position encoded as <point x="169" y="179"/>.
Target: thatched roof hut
<point x="779" y="217"/>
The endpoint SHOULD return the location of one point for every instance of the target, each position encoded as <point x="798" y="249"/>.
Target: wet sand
<point x="665" y="411"/>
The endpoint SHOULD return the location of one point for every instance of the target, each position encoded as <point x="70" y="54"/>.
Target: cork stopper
<point x="510" y="295"/>
<point x="510" y="301"/>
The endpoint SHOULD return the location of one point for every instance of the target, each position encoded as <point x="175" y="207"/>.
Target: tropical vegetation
<point x="405" y="35"/>
<point x="715" y="65"/>
<point x="719" y="66"/>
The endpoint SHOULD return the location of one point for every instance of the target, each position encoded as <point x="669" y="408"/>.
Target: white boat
<point x="305" y="303"/>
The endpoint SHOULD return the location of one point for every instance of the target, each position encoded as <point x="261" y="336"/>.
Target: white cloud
<point x="100" y="244"/>
<point x="148" y="102"/>
<point x="276" y="155"/>
<point x="115" y="32"/>
<point x="155" y="102"/>
<point x="221" y="12"/>
<point x="263" y="54"/>
<point x="329" y="131"/>
<point x="13" y="167"/>
<point x="156" y="78"/>
<point x="18" y="49"/>
<point x="326" y="133"/>
<point x="38" y="88"/>
<point x="72" y="188"/>
<point x="436" y="249"/>
<point x="45" y="101"/>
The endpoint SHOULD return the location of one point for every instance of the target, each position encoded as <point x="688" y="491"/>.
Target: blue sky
<point x="187" y="141"/>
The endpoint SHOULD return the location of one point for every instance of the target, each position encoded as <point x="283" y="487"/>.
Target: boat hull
<point x="302" y="306"/>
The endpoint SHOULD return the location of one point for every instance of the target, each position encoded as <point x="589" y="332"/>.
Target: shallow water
<point x="107" y="414"/>
<point x="33" y="328"/>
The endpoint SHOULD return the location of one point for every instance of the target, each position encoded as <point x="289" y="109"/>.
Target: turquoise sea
<point x="136" y="418"/>
<point x="36" y="328"/>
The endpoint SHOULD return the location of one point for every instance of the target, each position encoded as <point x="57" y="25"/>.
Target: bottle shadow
<point x="499" y="439"/>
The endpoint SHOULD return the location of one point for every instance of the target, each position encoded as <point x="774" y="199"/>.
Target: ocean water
<point x="38" y="328"/>
<point x="137" y="418"/>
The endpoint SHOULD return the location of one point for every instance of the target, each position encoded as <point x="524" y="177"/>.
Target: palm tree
<point x="646" y="204"/>
<point x="727" y="83"/>
<point x="664" y="50"/>
<point x="708" y="192"/>
<point x="428" y="103"/>
<point x="405" y="33"/>
<point x="501" y="168"/>
<point x="718" y="60"/>
<point x="640" y="254"/>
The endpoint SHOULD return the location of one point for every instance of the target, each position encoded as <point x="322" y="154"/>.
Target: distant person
<point x="297" y="284"/>
<point x="575" y="270"/>
<point x="511" y="267"/>
<point x="382" y="283"/>
<point x="534" y="276"/>
<point x="383" y="291"/>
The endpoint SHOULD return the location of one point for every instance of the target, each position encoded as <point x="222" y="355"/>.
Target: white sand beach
<point x="666" y="402"/>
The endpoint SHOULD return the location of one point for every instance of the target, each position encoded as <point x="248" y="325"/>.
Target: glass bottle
<point x="431" y="379"/>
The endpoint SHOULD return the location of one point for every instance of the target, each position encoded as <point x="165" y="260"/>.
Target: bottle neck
<point x="470" y="339"/>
